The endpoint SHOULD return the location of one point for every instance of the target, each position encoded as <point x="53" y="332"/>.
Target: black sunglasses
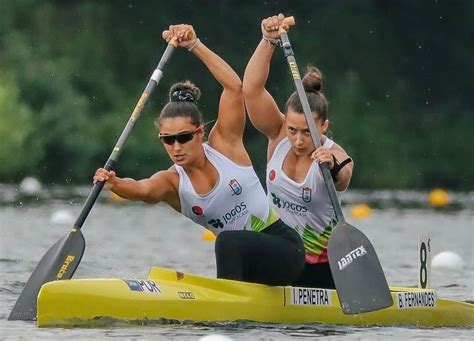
<point x="182" y="138"/>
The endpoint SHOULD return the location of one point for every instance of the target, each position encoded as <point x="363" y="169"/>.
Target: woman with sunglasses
<point x="213" y="183"/>
<point x="296" y="188"/>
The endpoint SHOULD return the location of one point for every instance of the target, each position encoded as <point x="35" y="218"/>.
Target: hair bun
<point x="184" y="91"/>
<point x="312" y="80"/>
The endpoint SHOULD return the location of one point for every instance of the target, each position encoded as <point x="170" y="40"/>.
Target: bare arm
<point x="344" y="176"/>
<point x="324" y="155"/>
<point x="226" y="135"/>
<point x="162" y="186"/>
<point x="262" y="108"/>
<point x="230" y="124"/>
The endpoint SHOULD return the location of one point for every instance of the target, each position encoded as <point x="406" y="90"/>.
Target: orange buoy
<point x="208" y="236"/>
<point x="438" y="198"/>
<point x="361" y="211"/>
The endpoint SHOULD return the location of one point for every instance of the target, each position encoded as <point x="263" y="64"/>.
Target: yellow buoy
<point x="208" y="236"/>
<point x="361" y="211"/>
<point x="438" y="198"/>
<point x="116" y="197"/>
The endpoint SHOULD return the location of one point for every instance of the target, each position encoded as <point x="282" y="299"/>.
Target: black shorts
<point x="316" y="276"/>
<point x="274" y="256"/>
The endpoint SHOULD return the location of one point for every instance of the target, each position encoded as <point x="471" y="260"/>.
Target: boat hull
<point x="171" y="295"/>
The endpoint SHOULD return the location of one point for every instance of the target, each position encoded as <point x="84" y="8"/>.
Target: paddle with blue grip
<point x="62" y="259"/>
<point x="358" y="276"/>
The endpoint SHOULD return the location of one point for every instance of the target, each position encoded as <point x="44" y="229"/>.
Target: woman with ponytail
<point x="213" y="183"/>
<point x="295" y="186"/>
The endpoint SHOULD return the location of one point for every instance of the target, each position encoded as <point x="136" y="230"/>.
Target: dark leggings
<point x="316" y="276"/>
<point x="274" y="256"/>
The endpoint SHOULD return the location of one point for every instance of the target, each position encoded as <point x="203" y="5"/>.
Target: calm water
<point x="125" y="239"/>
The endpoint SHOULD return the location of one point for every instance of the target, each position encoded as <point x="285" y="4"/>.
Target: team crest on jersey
<point x="235" y="186"/>
<point x="272" y="175"/>
<point x="306" y="194"/>
<point x="197" y="210"/>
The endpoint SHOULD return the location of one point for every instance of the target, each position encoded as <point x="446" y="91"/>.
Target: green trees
<point x="18" y="151"/>
<point x="398" y="76"/>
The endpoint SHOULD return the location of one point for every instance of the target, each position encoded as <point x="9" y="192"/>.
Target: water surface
<point x="126" y="239"/>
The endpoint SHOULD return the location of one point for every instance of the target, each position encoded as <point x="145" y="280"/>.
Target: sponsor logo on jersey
<point x="143" y="286"/>
<point x="310" y="296"/>
<point x="229" y="217"/>
<point x="351" y="256"/>
<point x="291" y="207"/>
<point x="197" y="210"/>
<point x="306" y="195"/>
<point x="216" y="223"/>
<point x="272" y="175"/>
<point x="235" y="186"/>
<point x="416" y="299"/>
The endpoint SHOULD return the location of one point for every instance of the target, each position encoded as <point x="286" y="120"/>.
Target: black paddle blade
<point x="59" y="262"/>
<point x="358" y="276"/>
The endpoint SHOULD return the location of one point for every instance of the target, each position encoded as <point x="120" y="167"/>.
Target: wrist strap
<point x="271" y="41"/>
<point x="194" y="45"/>
<point x="338" y="166"/>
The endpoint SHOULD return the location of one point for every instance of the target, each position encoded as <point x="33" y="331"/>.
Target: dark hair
<point x="182" y="103"/>
<point x="312" y="83"/>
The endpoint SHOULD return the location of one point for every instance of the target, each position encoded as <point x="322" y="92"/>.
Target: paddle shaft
<point x="110" y="164"/>
<point x="288" y="51"/>
<point x="62" y="259"/>
<point x="361" y="284"/>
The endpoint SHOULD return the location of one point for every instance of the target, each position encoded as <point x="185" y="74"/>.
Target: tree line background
<point x="398" y="76"/>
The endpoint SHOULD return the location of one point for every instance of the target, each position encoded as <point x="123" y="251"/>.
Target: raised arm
<point x="226" y="135"/>
<point x="262" y="108"/>
<point x="230" y="123"/>
<point x="231" y="116"/>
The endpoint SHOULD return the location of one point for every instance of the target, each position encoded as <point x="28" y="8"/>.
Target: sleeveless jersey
<point x="304" y="206"/>
<point x="237" y="201"/>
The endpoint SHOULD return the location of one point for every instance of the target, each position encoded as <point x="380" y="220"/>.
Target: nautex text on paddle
<point x="351" y="256"/>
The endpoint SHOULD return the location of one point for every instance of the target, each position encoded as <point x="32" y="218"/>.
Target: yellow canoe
<point x="171" y="295"/>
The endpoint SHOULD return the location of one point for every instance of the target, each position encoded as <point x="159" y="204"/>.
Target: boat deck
<point x="171" y="295"/>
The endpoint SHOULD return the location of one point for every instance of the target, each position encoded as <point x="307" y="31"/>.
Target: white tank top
<point x="237" y="201"/>
<point x="305" y="206"/>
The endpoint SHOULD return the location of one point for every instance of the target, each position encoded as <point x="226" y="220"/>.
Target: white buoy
<point x="215" y="337"/>
<point x="62" y="217"/>
<point x="30" y="186"/>
<point x="447" y="260"/>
